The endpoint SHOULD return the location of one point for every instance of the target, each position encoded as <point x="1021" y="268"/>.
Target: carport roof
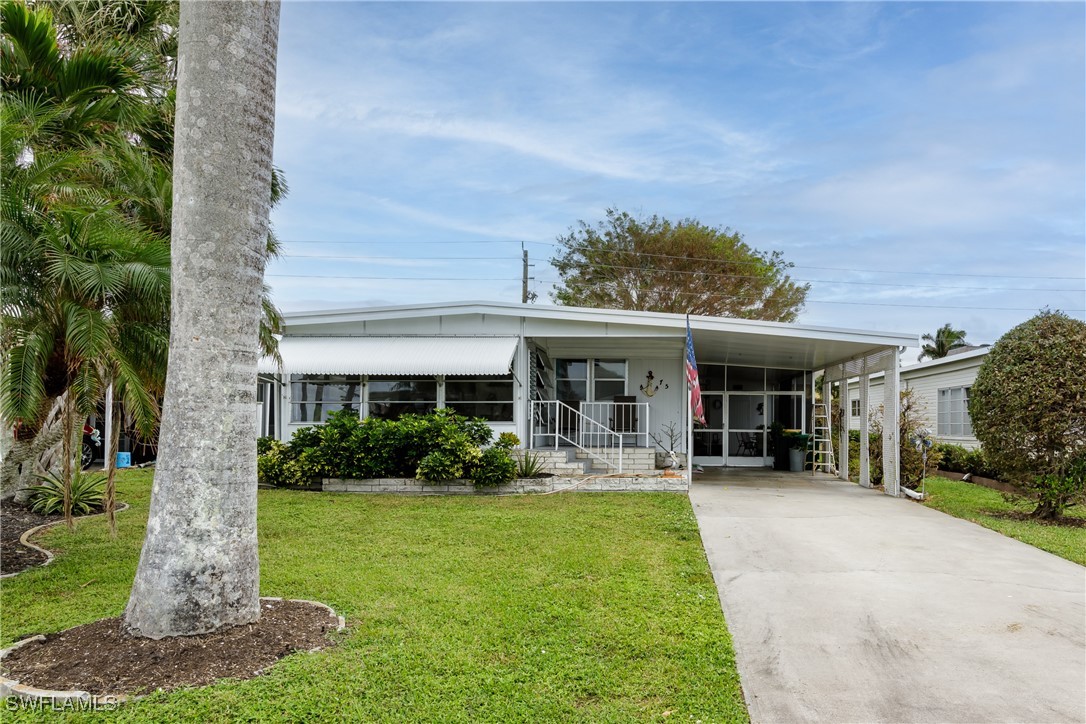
<point x="716" y="339"/>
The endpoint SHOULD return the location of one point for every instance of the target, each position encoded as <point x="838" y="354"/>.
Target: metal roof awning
<point x="393" y="356"/>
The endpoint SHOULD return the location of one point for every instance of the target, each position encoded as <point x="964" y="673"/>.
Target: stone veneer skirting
<point x="409" y="486"/>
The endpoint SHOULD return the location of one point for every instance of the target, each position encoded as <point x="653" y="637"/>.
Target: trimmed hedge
<point x="435" y="447"/>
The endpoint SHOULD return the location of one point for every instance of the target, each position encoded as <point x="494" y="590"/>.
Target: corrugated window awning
<point x="393" y="356"/>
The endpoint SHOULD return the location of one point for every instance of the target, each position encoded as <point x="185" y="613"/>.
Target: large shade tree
<point x="1028" y="409"/>
<point x="198" y="570"/>
<point x="940" y="344"/>
<point x="658" y="265"/>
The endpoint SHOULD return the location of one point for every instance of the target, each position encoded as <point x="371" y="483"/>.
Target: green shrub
<point x="507" y="441"/>
<point x="346" y="447"/>
<point x="87" y="493"/>
<point x="264" y="444"/>
<point x="1028" y="409"/>
<point x="495" y="467"/>
<point x="286" y="466"/>
<point x="439" y="466"/>
<point x="954" y="458"/>
<point x="910" y="459"/>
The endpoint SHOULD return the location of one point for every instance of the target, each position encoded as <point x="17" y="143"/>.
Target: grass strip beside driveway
<point x="988" y="508"/>
<point x="579" y="607"/>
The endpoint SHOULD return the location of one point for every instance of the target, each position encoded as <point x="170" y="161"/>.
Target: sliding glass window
<point x="314" y="397"/>
<point x="389" y="398"/>
<point x="489" y="398"/>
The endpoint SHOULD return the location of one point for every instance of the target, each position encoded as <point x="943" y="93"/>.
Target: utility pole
<point x="524" y="276"/>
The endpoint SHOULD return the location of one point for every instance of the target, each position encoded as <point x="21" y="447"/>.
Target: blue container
<point x="124" y="460"/>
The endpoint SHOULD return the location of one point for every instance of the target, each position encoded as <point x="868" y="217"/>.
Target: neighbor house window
<point x="954" y="412"/>
<point x="314" y="397"/>
<point x="490" y="398"/>
<point x="389" y="398"/>
<point x="855" y="408"/>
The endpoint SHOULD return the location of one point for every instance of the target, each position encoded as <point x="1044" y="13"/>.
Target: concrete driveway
<point x="846" y="605"/>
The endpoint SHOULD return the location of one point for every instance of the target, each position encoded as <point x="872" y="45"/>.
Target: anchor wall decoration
<point x="649" y="388"/>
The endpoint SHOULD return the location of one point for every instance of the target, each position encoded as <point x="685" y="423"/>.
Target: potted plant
<point x="780" y="446"/>
<point x="797" y="451"/>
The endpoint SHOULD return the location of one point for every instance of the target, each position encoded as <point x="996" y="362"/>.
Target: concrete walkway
<point x="847" y="605"/>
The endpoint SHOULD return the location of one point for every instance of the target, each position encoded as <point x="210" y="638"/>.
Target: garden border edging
<point x="11" y="687"/>
<point x="24" y="540"/>
<point x="519" y="486"/>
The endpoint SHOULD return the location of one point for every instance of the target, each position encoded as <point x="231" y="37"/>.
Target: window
<point x="604" y="378"/>
<point x="609" y="379"/>
<point x="489" y="398"/>
<point x="314" y="397"/>
<point x="855" y="408"/>
<point x="954" y="413"/>
<point x="390" y="398"/>
<point x="571" y="379"/>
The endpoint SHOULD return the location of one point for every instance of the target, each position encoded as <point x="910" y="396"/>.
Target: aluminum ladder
<point x="820" y="447"/>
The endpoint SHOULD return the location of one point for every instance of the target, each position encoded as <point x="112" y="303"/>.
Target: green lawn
<point x="578" y="607"/>
<point x="982" y="505"/>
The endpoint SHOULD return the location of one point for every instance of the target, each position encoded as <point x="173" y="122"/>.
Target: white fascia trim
<point x="606" y="316"/>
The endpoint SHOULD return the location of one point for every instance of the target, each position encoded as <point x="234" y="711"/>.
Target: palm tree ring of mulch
<point x="104" y="660"/>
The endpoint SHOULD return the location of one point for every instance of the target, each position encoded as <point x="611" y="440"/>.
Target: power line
<point x="684" y="258"/>
<point x="674" y="293"/>
<point x="414" y="241"/>
<point x="396" y="279"/>
<point x="397" y="258"/>
<point x="657" y="270"/>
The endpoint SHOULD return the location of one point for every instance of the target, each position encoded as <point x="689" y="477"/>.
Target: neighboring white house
<point x="592" y="379"/>
<point x="941" y="389"/>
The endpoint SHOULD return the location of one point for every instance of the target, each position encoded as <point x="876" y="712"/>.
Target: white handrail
<point x="557" y="419"/>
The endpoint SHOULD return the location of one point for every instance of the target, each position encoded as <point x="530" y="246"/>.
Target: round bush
<point x="1028" y="407"/>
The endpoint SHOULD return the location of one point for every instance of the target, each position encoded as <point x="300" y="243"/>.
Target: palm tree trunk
<point x="199" y="571"/>
<point x="69" y="432"/>
<point x="111" y="467"/>
<point x="27" y="458"/>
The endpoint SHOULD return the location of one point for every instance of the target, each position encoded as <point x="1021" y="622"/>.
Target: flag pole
<point x="689" y="418"/>
<point x="689" y="439"/>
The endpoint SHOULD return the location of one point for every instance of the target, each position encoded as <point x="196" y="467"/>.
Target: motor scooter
<point x="92" y="439"/>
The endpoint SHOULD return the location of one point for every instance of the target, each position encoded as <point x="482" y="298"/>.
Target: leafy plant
<point x="495" y="467"/>
<point x="265" y="444"/>
<point x="439" y="466"/>
<point x="530" y="465"/>
<point x="346" y="447"/>
<point x="910" y="459"/>
<point x="87" y="493"/>
<point x="1029" y="412"/>
<point x="286" y="466"/>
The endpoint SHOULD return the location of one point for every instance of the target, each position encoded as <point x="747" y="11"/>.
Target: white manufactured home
<point x="606" y="383"/>
<point x="941" y="390"/>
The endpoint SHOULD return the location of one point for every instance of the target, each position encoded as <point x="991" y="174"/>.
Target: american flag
<point x="692" y="377"/>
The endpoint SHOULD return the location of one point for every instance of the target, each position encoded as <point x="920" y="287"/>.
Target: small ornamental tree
<point x="1028" y="408"/>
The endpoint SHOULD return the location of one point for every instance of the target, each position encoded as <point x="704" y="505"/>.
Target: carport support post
<point x="842" y="403"/>
<point x="891" y="446"/>
<point x="865" y="436"/>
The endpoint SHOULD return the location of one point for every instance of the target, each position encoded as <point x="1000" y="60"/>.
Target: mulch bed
<point x="102" y="658"/>
<point x="14" y="521"/>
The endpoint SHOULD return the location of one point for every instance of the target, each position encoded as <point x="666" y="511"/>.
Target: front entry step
<point x="572" y="461"/>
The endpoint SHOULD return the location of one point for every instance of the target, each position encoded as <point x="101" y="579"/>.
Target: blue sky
<point x="919" y="163"/>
